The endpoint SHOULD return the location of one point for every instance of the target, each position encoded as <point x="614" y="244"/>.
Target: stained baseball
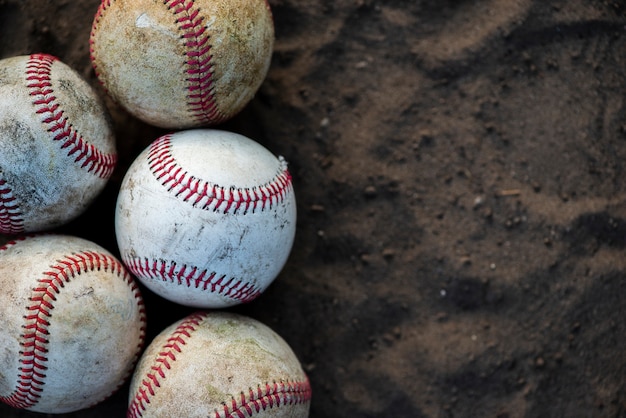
<point x="219" y="365"/>
<point x="73" y="324"/>
<point x="58" y="148"/>
<point x="182" y="63"/>
<point x="206" y="217"/>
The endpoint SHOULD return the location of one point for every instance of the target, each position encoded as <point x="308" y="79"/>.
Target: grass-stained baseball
<point x="218" y="364"/>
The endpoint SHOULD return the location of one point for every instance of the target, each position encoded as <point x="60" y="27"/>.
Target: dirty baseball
<point x="206" y="217"/>
<point x="220" y="365"/>
<point x="58" y="149"/>
<point x="182" y="64"/>
<point x="73" y="324"/>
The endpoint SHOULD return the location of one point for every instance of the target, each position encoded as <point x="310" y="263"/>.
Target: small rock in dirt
<point x="370" y="191"/>
<point x="388" y="253"/>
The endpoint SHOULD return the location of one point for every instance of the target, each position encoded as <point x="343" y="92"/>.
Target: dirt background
<point x="459" y="169"/>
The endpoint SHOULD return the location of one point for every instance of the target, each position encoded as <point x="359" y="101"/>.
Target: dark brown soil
<point x="460" y="174"/>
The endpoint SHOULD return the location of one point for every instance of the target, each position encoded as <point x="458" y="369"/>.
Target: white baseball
<point x="182" y="63"/>
<point x="206" y="218"/>
<point x="219" y="365"/>
<point x="73" y="324"/>
<point x="58" y="149"/>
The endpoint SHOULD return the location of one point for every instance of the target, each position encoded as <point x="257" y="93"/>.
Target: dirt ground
<point x="460" y="174"/>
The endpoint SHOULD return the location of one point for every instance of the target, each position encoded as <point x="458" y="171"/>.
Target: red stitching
<point x="39" y="81"/>
<point x="270" y="395"/>
<point x="201" y="101"/>
<point x="33" y="356"/>
<point x="172" y="346"/>
<point x="192" y="276"/>
<point x="201" y="89"/>
<point x="11" y="220"/>
<point x="105" y="4"/>
<point x="12" y="242"/>
<point x="209" y="196"/>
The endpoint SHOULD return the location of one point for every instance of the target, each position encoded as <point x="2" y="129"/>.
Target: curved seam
<point x="192" y="277"/>
<point x="39" y="82"/>
<point x="104" y="4"/>
<point x="11" y="219"/>
<point x="170" y="349"/>
<point x="209" y="196"/>
<point x="34" y="339"/>
<point x="268" y="395"/>
<point x="201" y="101"/>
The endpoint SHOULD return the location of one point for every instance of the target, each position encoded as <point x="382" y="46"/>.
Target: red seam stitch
<point x="16" y="240"/>
<point x="192" y="276"/>
<point x="39" y="82"/>
<point x="33" y="359"/>
<point x="266" y="396"/>
<point x="214" y="197"/>
<point x="104" y="4"/>
<point x="11" y="220"/>
<point x="172" y="346"/>
<point x="201" y="101"/>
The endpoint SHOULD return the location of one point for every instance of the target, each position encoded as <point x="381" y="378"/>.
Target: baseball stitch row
<point x="270" y="395"/>
<point x="14" y="241"/>
<point x="192" y="276"/>
<point x="201" y="89"/>
<point x="208" y="196"/>
<point x="105" y="4"/>
<point x="39" y="82"/>
<point x="172" y="346"/>
<point x="34" y="340"/>
<point x="11" y="220"/>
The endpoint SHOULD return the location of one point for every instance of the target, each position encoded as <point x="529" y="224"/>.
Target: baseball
<point x="219" y="365"/>
<point x="58" y="149"/>
<point x="182" y="63"/>
<point x="206" y="218"/>
<point x="73" y="324"/>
